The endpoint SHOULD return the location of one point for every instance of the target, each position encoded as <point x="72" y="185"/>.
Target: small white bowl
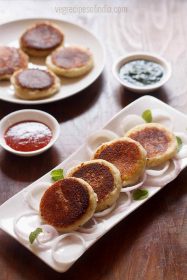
<point x="145" y="56"/>
<point x="25" y="115"/>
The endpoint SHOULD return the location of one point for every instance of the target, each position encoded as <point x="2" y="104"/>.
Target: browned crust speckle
<point x="42" y="36"/>
<point x="153" y="139"/>
<point x="159" y="143"/>
<point x="124" y="155"/>
<point x="35" y="79"/>
<point x="98" y="176"/>
<point x="127" y="155"/>
<point x="11" y="59"/>
<point x="64" y="203"/>
<point x="70" y="57"/>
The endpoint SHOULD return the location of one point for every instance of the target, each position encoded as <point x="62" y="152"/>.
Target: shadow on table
<point x="20" y="169"/>
<point x="125" y="96"/>
<point x="114" y="252"/>
<point x="62" y="110"/>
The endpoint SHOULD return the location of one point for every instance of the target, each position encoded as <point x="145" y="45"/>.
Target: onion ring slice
<point x="87" y="228"/>
<point x="73" y="245"/>
<point x="165" y="178"/>
<point x="47" y="237"/>
<point x="157" y="172"/>
<point x="162" y="117"/>
<point x="24" y="237"/>
<point x="134" y="187"/>
<point x="129" y="122"/>
<point x="30" y="197"/>
<point x="98" y="138"/>
<point x="182" y="153"/>
<point x="71" y="165"/>
<point x="123" y="206"/>
<point x="105" y="212"/>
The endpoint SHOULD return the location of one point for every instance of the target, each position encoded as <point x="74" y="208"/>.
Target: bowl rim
<point x="142" y="55"/>
<point x="55" y="134"/>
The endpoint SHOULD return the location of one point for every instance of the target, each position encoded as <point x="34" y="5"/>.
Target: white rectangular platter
<point x="18" y="205"/>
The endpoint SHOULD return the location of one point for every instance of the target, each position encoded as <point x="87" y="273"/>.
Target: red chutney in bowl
<point x="28" y="136"/>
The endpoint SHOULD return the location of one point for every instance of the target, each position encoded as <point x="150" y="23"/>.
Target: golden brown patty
<point x="70" y="57"/>
<point x="11" y="59"/>
<point x="70" y="61"/>
<point x="35" y="79"/>
<point x="159" y="142"/>
<point x="35" y="83"/>
<point x="41" y="37"/>
<point x="127" y="155"/>
<point x="67" y="204"/>
<point x="103" y="177"/>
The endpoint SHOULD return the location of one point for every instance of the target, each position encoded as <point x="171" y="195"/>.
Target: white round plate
<point x="74" y="35"/>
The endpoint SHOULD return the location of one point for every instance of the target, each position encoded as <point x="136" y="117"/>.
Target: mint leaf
<point x="57" y="174"/>
<point x="34" y="234"/>
<point x="140" y="194"/>
<point x="147" y="116"/>
<point x="179" y="142"/>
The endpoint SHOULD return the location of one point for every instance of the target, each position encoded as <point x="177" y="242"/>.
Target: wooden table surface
<point x="151" y="243"/>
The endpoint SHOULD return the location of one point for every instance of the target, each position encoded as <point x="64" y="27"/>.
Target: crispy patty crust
<point x="127" y="155"/>
<point x="11" y="59"/>
<point x="35" y="83"/>
<point x="103" y="177"/>
<point x="41" y="39"/>
<point x="158" y="141"/>
<point x="70" y="61"/>
<point x="68" y="204"/>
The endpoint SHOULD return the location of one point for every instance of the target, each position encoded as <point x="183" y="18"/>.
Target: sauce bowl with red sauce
<point x="28" y="132"/>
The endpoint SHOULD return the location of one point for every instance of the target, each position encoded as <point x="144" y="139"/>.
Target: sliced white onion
<point x="89" y="227"/>
<point x="45" y="239"/>
<point x="157" y="172"/>
<point x="72" y="246"/>
<point x="127" y="201"/>
<point x="129" y="122"/>
<point x="38" y="189"/>
<point x="98" y="231"/>
<point x="123" y="204"/>
<point x="23" y="236"/>
<point x="182" y="153"/>
<point x="134" y="187"/>
<point x="71" y="165"/>
<point x="98" y="138"/>
<point x="167" y="177"/>
<point x="183" y="137"/>
<point x="105" y="212"/>
<point x="162" y="117"/>
<point x="182" y="163"/>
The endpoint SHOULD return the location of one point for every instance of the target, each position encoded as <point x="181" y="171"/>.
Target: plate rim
<point x="47" y="101"/>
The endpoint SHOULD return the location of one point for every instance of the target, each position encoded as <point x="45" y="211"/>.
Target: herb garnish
<point x="34" y="234"/>
<point x="140" y="194"/>
<point x="147" y="116"/>
<point x="57" y="174"/>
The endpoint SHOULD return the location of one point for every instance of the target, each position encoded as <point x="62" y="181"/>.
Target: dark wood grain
<point x="151" y="243"/>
